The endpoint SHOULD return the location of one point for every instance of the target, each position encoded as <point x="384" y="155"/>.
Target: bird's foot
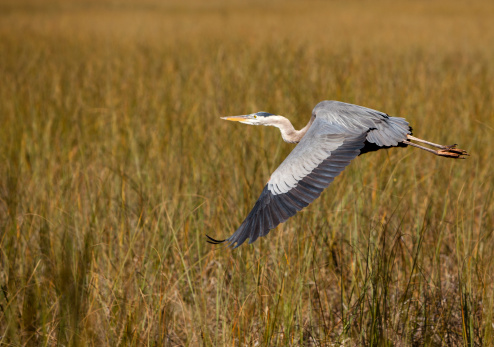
<point x="443" y="151"/>
<point x="452" y="152"/>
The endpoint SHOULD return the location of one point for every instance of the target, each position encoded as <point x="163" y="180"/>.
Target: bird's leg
<point x="410" y="137"/>
<point x="444" y="151"/>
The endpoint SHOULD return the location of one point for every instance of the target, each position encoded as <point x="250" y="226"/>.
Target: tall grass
<point x="114" y="164"/>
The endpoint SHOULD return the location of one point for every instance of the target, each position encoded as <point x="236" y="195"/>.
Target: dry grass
<point x="114" y="164"/>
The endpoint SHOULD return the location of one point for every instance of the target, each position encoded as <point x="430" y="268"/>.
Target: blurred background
<point x="114" y="165"/>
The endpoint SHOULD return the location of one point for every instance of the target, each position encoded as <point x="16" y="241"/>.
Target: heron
<point x="337" y="132"/>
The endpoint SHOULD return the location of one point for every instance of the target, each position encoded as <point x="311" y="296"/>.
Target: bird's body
<point x="336" y="133"/>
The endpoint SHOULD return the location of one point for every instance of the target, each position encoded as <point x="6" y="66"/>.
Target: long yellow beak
<point x="236" y="118"/>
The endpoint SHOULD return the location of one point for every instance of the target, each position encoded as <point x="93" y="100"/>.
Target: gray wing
<point x="385" y="131"/>
<point x="324" y="151"/>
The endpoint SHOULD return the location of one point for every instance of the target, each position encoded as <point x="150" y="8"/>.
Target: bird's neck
<point x="288" y="132"/>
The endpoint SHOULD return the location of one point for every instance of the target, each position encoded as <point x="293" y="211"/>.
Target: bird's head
<point x="258" y="118"/>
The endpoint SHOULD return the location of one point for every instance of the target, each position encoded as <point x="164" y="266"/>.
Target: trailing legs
<point x="443" y="151"/>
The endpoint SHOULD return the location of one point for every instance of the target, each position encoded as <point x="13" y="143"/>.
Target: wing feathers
<point x="303" y="194"/>
<point x="271" y="209"/>
<point x="273" y="217"/>
<point x="293" y="201"/>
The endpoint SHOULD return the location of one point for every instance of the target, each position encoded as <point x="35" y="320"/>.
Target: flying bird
<point x="337" y="132"/>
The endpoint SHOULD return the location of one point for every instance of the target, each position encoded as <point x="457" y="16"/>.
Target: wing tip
<point x="213" y="241"/>
<point x="230" y="244"/>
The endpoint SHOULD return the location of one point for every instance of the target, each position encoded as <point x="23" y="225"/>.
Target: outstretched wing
<point x="324" y="151"/>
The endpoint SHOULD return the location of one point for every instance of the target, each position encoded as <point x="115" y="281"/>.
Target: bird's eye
<point x="255" y="116"/>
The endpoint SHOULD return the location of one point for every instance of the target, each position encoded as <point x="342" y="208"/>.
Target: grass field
<point x="114" y="164"/>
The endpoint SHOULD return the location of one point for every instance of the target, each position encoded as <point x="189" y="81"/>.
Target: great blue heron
<point x="336" y="133"/>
